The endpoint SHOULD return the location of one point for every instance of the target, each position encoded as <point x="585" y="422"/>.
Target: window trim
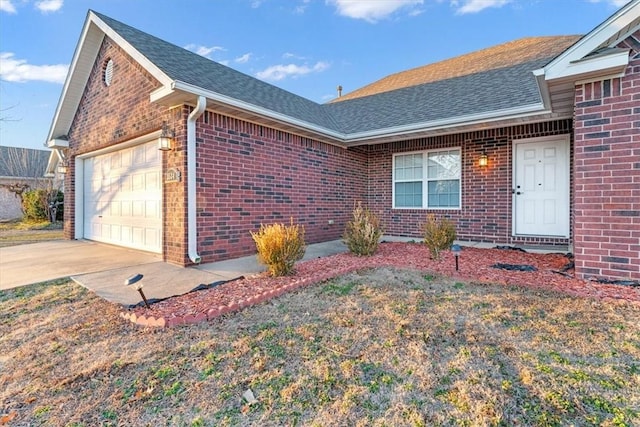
<point x="425" y="180"/>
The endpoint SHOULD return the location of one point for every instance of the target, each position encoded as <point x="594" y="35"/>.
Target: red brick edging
<point x="212" y="313"/>
<point x="234" y="306"/>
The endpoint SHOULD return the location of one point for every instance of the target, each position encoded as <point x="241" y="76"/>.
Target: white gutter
<point x="348" y="139"/>
<point x="470" y="119"/>
<point x="214" y="96"/>
<point x="191" y="179"/>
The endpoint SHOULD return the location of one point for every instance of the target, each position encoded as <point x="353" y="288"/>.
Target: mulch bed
<point x="475" y="265"/>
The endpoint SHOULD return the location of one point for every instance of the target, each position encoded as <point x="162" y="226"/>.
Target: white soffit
<point x="575" y="61"/>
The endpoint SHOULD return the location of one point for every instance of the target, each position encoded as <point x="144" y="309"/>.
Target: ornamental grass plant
<point x="363" y="232"/>
<point x="438" y="234"/>
<point x="279" y="246"/>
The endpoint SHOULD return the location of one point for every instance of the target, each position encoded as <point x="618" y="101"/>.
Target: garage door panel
<point x="123" y="198"/>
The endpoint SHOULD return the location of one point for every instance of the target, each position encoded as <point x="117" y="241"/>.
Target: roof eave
<point x="174" y="93"/>
<point x="440" y="126"/>
<point x="574" y="60"/>
<point x="77" y="77"/>
<point x="52" y="164"/>
<point x="613" y="64"/>
<point x="179" y="90"/>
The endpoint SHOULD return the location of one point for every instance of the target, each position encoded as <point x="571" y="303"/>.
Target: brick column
<point x="607" y="177"/>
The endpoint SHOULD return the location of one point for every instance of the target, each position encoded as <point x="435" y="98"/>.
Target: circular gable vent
<point x="108" y="72"/>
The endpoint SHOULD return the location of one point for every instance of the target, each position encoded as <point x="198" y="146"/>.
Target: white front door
<point x="541" y="187"/>
<point x="123" y="198"/>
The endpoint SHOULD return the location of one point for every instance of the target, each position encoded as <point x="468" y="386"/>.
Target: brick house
<point x="534" y="142"/>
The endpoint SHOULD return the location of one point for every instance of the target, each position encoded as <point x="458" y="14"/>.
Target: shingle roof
<point x="493" y="79"/>
<point x="501" y="56"/>
<point x="186" y="66"/>
<point x="478" y="93"/>
<point x="23" y="162"/>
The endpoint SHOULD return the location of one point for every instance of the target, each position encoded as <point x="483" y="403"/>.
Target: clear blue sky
<point x="307" y="47"/>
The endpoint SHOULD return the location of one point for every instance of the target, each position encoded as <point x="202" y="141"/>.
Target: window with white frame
<point x="427" y="180"/>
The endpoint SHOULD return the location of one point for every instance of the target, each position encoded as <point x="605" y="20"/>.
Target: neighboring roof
<point x="17" y="162"/>
<point x="501" y="56"/>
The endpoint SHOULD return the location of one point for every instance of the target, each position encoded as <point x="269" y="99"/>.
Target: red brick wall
<point x="249" y="175"/>
<point x="174" y="194"/>
<point x="607" y="175"/>
<point x="110" y="115"/>
<point x="486" y="210"/>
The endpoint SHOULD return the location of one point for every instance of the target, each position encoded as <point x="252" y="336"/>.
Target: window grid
<point x="427" y="180"/>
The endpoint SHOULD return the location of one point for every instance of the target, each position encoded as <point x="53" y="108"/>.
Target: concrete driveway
<point x="103" y="268"/>
<point x="37" y="262"/>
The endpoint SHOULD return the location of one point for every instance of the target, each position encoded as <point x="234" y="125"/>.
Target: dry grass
<point x="385" y="347"/>
<point x="14" y="233"/>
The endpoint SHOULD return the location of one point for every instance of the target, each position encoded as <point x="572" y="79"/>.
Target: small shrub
<point x="363" y="232"/>
<point x="438" y="235"/>
<point x="37" y="205"/>
<point x="33" y="205"/>
<point x="279" y="247"/>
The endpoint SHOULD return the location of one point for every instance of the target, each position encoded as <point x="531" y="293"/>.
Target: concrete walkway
<point x="104" y="268"/>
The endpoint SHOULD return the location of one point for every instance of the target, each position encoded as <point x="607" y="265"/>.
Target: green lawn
<point x="22" y="232"/>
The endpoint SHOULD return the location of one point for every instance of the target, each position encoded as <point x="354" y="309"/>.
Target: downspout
<point x="191" y="180"/>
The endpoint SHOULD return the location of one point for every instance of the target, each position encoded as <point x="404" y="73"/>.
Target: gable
<point x="122" y="110"/>
<point x="596" y="55"/>
<point x="93" y="33"/>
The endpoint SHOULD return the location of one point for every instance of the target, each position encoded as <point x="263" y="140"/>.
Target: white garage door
<point x="123" y="198"/>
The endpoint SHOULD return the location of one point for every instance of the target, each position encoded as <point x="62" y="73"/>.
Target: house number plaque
<point x="172" y="175"/>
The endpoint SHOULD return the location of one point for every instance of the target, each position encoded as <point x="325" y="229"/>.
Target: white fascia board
<point x="58" y="143"/>
<point x="614" y="63"/>
<point x="543" y="88"/>
<point x="399" y="131"/>
<point x="593" y="40"/>
<point x="78" y="75"/>
<point x="52" y="164"/>
<point x="530" y="110"/>
<point x="161" y="92"/>
<point x="131" y="51"/>
<point x="178" y="85"/>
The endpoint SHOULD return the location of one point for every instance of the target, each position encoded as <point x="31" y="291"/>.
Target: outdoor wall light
<point x="165" y="141"/>
<point x="456" y="249"/>
<point x="62" y="168"/>
<point x="134" y="280"/>
<point x="483" y="160"/>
